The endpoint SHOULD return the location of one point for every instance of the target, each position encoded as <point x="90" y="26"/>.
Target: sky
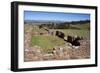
<point x="59" y="16"/>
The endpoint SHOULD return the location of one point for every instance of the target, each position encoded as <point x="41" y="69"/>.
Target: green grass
<point x="82" y="26"/>
<point x="73" y="32"/>
<point x="84" y="30"/>
<point x="47" y="43"/>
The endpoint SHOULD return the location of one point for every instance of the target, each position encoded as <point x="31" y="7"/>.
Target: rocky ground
<point x="65" y="52"/>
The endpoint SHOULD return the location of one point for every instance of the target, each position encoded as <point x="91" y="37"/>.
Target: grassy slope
<point x="82" y="26"/>
<point x="83" y="30"/>
<point x="73" y="32"/>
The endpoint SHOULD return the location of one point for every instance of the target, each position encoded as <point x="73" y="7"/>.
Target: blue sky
<point x="35" y="15"/>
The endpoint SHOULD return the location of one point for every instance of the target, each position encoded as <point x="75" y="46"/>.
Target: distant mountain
<point x="43" y="21"/>
<point x="54" y="21"/>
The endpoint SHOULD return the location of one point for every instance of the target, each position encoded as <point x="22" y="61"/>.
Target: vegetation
<point x="67" y="25"/>
<point x="46" y="42"/>
<point x="74" y="32"/>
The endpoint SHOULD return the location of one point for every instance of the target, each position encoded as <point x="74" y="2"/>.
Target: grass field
<point x="46" y="42"/>
<point x="82" y="26"/>
<point x="73" y="32"/>
<point x="83" y="30"/>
